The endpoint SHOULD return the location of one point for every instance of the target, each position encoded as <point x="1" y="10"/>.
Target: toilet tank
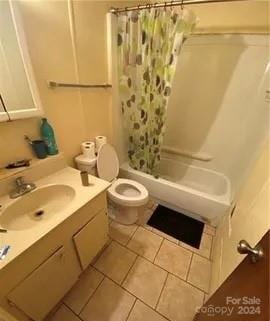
<point x="87" y="165"/>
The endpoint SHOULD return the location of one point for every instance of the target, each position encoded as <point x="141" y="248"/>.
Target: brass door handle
<point x="255" y="253"/>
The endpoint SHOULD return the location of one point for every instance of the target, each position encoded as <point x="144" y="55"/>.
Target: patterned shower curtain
<point x="149" y="42"/>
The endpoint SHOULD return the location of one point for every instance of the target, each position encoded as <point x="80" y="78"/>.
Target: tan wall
<point x="79" y="115"/>
<point x="62" y="52"/>
<point x="240" y="16"/>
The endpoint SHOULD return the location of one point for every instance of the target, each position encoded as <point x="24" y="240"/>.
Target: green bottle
<point x="47" y="135"/>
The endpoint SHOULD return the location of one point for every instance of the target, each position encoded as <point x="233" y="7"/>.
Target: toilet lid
<point x="107" y="163"/>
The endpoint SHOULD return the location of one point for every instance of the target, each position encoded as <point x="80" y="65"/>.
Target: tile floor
<point x="142" y="275"/>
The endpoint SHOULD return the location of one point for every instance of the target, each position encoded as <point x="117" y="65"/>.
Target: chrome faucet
<point x="21" y="188"/>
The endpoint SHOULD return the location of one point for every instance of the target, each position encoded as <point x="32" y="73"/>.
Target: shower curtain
<point x="149" y="42"/>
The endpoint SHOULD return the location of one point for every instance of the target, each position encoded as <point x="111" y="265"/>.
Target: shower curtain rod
<point x="167" y="4"/>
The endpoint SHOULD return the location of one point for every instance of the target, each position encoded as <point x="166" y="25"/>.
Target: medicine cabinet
<point x="19" y="95"/>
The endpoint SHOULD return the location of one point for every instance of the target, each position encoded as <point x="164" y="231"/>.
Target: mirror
<point x="19" y="96"/>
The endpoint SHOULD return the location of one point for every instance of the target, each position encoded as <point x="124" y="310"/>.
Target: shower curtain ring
<point x="182" y="5"/>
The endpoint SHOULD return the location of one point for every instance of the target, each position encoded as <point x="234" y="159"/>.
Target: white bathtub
<point x="193" y="190"/>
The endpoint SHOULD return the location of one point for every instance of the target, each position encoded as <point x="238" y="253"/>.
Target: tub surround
<point x="55" y="250"/>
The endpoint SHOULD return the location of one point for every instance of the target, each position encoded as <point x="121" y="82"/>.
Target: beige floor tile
<point x="83" y="289"/>
<point x="208" y="229"/>
<point x="109" y="303"/>
<point x="145" y="243"/>
<point x="64" y="314"/>
<point x="151" y="203"/>
<point x="115" y="262"/>
<point x="142" y="312"/>
<point x="166" y="236"/>
<point x="179" y="300"/>
<point x="199" y="274"/>
<point x="173" y="258"/>
<point x="121" y="233"/>
<point x="145" y="280"/>
<point x="205" y="247"/>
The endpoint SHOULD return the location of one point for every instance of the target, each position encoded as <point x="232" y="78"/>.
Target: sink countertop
<point x="21" y="240"/>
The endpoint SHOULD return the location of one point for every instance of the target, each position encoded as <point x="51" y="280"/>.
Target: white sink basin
<point x="37" y="206"/>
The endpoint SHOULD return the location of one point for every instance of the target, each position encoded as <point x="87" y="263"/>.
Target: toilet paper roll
<point x="100" y="140"/>
<point x="88" y="149"/>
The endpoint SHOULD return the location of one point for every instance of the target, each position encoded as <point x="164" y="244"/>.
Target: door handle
<point x="255" y="253"/>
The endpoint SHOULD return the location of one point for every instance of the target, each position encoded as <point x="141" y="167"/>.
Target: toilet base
<point x="125" y="215"/>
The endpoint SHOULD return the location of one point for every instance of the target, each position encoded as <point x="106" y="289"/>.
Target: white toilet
<point x="128" y="196"/>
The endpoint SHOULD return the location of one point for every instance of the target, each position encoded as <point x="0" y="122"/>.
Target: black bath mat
<point x="177" y="225"/>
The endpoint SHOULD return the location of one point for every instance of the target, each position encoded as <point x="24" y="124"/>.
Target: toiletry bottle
<point x="47" y="135"/>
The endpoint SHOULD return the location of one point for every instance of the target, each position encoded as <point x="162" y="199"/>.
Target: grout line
<point x="162" y="241"/>
<point x="131" y="250"/>
<point x="195" y="250"/>
<point x="194" y="286"/>
<point x="152" y="262"/>
<point x="178" y="243"/>
<point x="156" y="311"/>
<point x="140" y="299"/>
<point x="129" y="313"/>
<point x="155" y="231"/>
<point x="75" y="314"/>
<point x="132" y="294"/>
<point x="126" y="290"/>
<point x="129" y="270"/>
<point x="131" y="236"/>
<point x="159" y="313"/>
<point x="81" y="310"/>
<point x="88" y="299"/>
<point x="139" y="255"/>
<point x="163" y="286"/>
<point x="192" y="255"/>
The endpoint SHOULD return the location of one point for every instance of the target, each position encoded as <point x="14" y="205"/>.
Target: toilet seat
<point x="127" y="192"/>
<point x="124" y="192"/>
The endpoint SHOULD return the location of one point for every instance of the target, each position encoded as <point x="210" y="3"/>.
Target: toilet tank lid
<point x="83" y="160"/>
<point x="107" y="163"/>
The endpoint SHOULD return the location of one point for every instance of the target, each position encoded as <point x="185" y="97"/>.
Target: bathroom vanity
<point x="49" y="250"/>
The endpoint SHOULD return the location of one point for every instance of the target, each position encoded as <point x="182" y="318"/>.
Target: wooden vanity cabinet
<point x="45" y="286"/>
<point x="37" y="280"/>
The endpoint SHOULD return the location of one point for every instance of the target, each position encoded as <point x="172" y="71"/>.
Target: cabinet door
<point x="44" y="288"/>
<point x="91" y="238"/>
